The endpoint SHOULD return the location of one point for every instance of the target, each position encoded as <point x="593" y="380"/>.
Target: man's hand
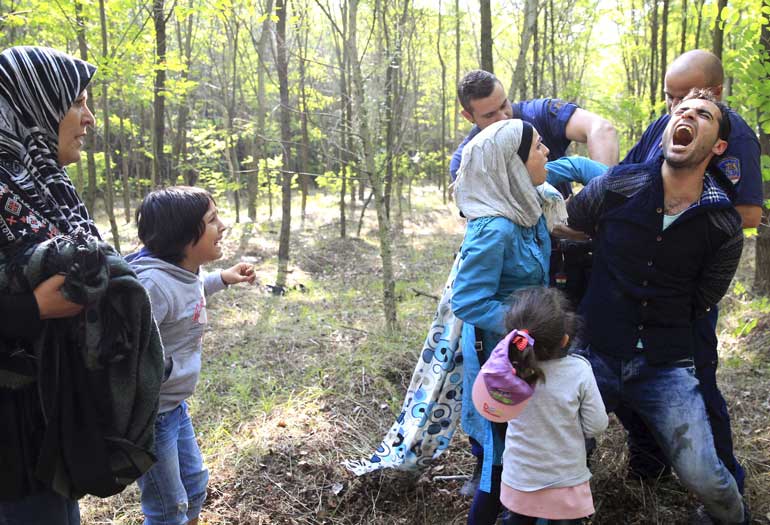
<point x="51" y="302"/>
<point x="240" y="273"/>
<point x="563" y="231"/>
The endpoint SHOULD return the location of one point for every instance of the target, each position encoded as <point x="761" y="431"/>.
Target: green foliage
<point x="429" y="164"/>
<point x="595" y="53"/>
<point x="745" y="327"/>
<point x="332" y="181"/>
<point x="269" y="168"/>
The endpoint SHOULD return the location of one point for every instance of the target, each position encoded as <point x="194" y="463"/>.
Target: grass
<point x="293" y="385"/>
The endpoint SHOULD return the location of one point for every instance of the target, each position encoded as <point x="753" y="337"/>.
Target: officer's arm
<point x="597" y="133"/>
<point x="751" y="215"/>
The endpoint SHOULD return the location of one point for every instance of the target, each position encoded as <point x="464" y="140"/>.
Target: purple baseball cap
<point x="498" y="393"/>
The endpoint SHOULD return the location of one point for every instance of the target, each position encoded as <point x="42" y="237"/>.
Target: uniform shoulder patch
<point x="731" y="167"/>
<point x="555" y="105"/>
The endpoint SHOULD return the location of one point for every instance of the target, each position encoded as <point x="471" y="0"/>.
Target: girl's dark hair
<point x="547" y="315"/>
<point x="171" y="218"/>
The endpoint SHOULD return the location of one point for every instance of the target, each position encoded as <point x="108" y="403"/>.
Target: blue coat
<point x="497" y="258"/>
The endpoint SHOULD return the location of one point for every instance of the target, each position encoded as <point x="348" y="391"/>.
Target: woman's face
<point x="72" y="130"/>
<point x="538" y="156"/>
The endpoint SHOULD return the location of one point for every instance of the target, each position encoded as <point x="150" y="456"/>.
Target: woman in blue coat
<point x="501" y="190"/>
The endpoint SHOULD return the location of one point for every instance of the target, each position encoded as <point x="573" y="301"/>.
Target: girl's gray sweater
<point x="545" y="445"/>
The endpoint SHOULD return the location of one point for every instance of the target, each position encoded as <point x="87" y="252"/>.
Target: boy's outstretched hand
<point x="240" y="273"/>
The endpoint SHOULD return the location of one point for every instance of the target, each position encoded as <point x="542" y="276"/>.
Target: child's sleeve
<point x="593" y="414"/>
<point x="213" y="283"/>
<point x="158" y="299"/>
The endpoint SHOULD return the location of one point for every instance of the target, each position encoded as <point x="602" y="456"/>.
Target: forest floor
<point x="293" y="385"/>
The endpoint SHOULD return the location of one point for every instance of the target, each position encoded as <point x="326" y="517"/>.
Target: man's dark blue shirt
<point x="549" y="116"/>
<point x="650" y="283"/>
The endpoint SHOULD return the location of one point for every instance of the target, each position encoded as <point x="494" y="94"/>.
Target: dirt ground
<point x="293" y="385"/>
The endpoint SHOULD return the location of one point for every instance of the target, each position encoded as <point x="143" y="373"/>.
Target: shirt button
<point x="649" y="263"/>
<point x="645" y="283"/>
<point x="659" y="238"/>
<point x="644" y="303"/>
<point x="659" y="210"/>
<point x="640" y="327"/>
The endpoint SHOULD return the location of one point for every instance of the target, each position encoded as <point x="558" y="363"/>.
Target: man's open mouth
<point x="683" y="135"/>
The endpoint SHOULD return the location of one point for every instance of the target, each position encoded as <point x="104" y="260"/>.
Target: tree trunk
<point x="698" y="23"/>
<point x="252" y="180"/>
<point x="305" y="147"/>
<point x="390" y="87"/>
<point x="343" y="59"/>
<point x="179" y="147"/>
<point x="230" y="99"/>
<point x="654" y="55"/>
<point x="90" y="195"/>
<point x="141" y="164"/>
<point x="663" y="49"/>
<point x="762" y="256"/>
<point x="518" y="90"/>
<point x="109" y="200"/>
<point x="442" y="137"/>
<point x="159" y="100"/>
<point x="552" y="49"/>
<point x="261" y="145"/>
<point x="282" y="66"/>
<point x="683" y="35"/>
<point x="486" y="36"/>
<point x="125" y="167"/>
<point x="388" y="282"/>
<point x="719" y="28"/>
<point x="456" y="113"/>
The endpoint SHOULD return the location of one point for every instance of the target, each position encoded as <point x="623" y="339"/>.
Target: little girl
<point x="544" y="463"/>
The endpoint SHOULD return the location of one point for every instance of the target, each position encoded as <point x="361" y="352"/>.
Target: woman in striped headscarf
<point x="44" y="119"/>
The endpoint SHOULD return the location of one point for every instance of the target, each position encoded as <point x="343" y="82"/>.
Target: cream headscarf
<point x="493" y="181"/>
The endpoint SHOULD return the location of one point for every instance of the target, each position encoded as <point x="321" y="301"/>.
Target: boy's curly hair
<point x="547" y="316"/>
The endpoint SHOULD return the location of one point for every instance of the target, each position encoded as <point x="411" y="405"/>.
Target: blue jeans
<point x="668" y="399"/>
<point x="486" y="506"/>
<point x="646" y="459"/>
<point x="174" y="489"/>
<point x="40" y="508"/>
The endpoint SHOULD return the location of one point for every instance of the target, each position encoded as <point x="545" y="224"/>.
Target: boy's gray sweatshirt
<point x="178" y="300"/>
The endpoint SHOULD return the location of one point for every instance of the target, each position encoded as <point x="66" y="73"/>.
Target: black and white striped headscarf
<point x="37" y="87"/>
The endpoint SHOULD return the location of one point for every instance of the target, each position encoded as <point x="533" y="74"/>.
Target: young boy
<point x="181" y="231"/>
